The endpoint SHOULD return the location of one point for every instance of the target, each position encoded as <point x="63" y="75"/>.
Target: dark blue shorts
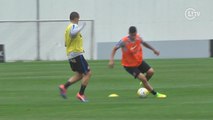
<point x="79" y="64"/>
<point x="135" y="71"/>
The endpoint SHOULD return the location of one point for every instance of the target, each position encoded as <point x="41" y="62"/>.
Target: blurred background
<point x="34" y="29"/>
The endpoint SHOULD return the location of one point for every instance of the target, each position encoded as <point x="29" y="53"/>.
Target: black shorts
<point x="79" y="64"/>
<point x="135" y="71"/>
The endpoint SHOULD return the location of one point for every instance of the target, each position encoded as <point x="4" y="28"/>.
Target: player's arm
<point x="75" y="29"/>
<point x="111" y="60"/>
<point x="151" y="48"/>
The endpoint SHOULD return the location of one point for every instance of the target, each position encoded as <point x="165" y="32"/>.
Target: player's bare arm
<point x="151" y="48"/>
<point x="111" y="60"/>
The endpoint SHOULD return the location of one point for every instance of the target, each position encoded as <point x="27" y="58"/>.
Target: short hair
<point x="132" y="29"/>
<point x="74" y="15"/>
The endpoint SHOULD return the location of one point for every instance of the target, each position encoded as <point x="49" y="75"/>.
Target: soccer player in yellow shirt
<point x="74" y="49"/>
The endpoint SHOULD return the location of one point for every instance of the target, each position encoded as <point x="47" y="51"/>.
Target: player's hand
<point x="156" y="52"/>
<point x="111" y="64"/>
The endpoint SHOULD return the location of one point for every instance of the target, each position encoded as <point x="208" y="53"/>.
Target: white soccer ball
<point x="142" y="92"/>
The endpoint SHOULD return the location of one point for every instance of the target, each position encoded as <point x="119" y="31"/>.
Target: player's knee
<point x="150" y="72"/>
<point x="89" y="73"/>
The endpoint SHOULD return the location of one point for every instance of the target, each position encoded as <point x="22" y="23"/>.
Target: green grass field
<point x="29" y="91"/>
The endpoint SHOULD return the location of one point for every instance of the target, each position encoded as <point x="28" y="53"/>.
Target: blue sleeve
<point x="120" y="44"/>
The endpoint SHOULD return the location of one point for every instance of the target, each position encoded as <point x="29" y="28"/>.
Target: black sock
<point x="153" y="92"/>
<point x="83" y="87"/>
<point x="66" y="85"/>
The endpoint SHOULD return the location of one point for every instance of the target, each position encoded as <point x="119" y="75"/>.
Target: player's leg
<point x="135" y="71"/>
<point x="146" y="68"/>
<point x="149" y="87"/>
<point x="63" y="88"/>
<point x="85" y="80"/>
<point x="137" y="74"/>
<point x="78" y="76"/>
<point x="149" y="73"/>
<point x="146" y="84"/>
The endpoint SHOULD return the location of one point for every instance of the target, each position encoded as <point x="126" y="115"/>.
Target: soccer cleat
<point x="63" y="91"/>
<point x="159" y="95"/>
<point x="82" y="98"/>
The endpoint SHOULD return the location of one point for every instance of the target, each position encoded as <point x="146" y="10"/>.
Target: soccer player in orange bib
<point x="132" y="59"/>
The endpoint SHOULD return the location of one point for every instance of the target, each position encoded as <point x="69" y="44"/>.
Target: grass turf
<point x="29" y="90"/>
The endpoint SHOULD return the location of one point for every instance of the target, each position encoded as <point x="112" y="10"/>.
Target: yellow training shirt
<point x="73" y="43"/>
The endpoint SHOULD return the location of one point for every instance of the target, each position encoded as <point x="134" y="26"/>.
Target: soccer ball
<point x="142" y="92"/>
